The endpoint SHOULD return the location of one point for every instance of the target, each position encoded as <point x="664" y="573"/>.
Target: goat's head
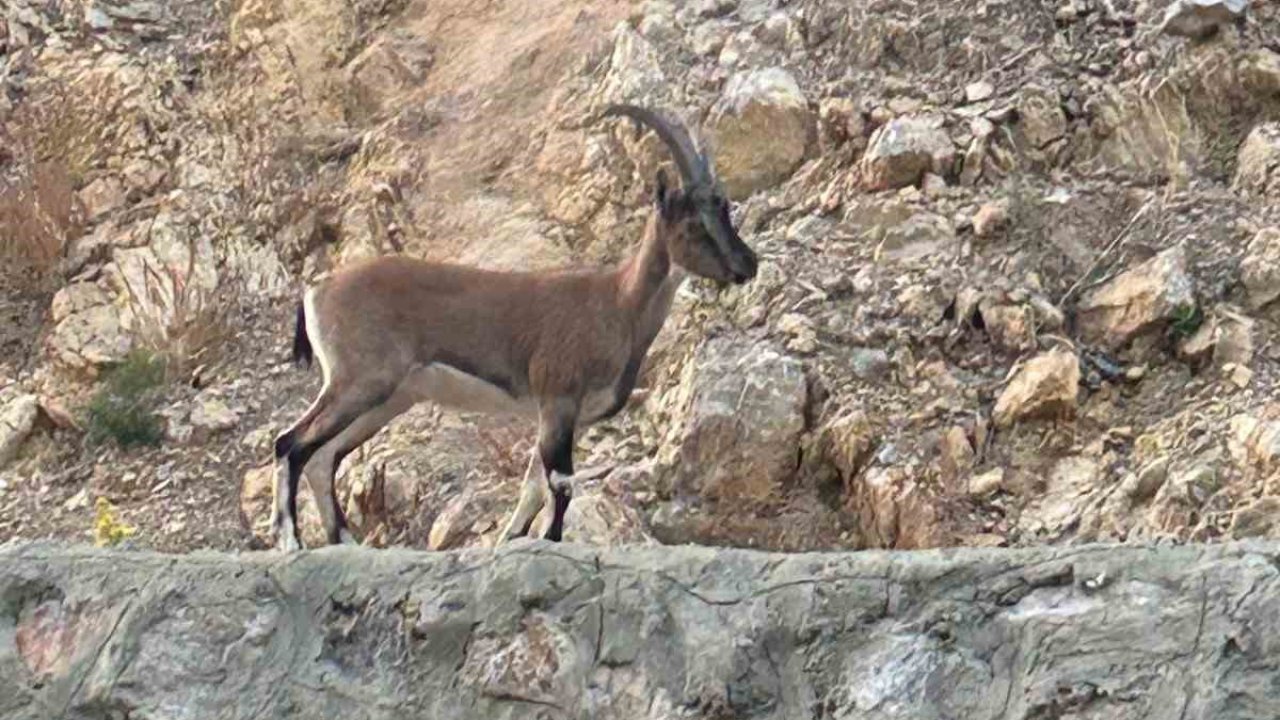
<point x="700" y="235"/>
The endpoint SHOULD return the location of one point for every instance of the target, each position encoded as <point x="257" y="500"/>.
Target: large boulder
<point x="902" y="150"/>
<point x="1260" y="269"/>
<point x="87" y="332"/>
<point x="18" y="413"/>
<point x="760" y="129"/>
<point x="1045" y="386"/>
<point x="1137" y="300"/>
<point x="743" y="425"/>
<point x="1258" y="162"/>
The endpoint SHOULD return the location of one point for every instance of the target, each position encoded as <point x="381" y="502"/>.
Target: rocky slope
<point x="1019" y="280"/>
<point x="545" y="631"/>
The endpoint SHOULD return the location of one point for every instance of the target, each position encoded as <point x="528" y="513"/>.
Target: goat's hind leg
<point x="332" y="412"/>
<point x="322" y="469"/>
<point x="533" y="496"/>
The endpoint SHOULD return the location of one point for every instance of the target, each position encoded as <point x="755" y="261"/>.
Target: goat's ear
<point x="660" y="191"/>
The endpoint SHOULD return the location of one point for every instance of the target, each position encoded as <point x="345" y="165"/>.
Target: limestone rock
<point x="894" y="510"/>
<point x="210" y="415"/>
<point x="642" y="633"/>
<point x="102" y="196"/>
<point x="18" y="413"/>
<point x="1261" y="518"/>
<point x="635" y="75"/>
<point x="1042" y="123"/>
<point x="1258" y="162"/>
<point x="743" y="424"/>
<point x="1137" y="300"/>
<point x="467" y="517"/>
<point x="1254" y="443"/>
<point x="956" y="454"/>
<point x="1199" y="19"/>
<point x="1069" y="483"/>
<point x="597" y="518"/>
<point x="990" y="219"/>
<point x="1260" y="268"/>
<point x="1045" y="386"/>
<point x="760" y="130"/>
<point x="383" y="71"/>
<point x="88" y="332"/>
<point x="902" y="150"/>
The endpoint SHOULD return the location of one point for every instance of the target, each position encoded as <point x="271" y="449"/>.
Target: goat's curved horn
<point x="693" y="167"/>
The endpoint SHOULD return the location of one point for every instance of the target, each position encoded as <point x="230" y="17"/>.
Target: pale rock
<point x="1180" y="498"/>
<point x="1260" y="518"/>
<point x="384" y="70"/>
<point x="1069" y="483"/>
<point x="1010" y="325"/>
<point x="986" y="484"/>
<point x="902" y="150"/>
<point x="1137" y="300"/>
<point x="88" y="332"/>
<point x="979" y="91"/>
<point x="894" y="510"/>
<point x="1255" y="443"/>
<point x="18" y="413"/>
<point x="210" y="415"/>
<point x="803" y="337"/>
<point x="991" y="219"/>
<point x="596" y="518"/>
<point x="102" y="196"/>
<point x="933" y="185"/>
<point x="760" y="129"/>
<point x="1140" y="486"/>
<point x="869" y="363"/>
<point x="956" y="454"/>
<point x="743" y="424"/>
<point x="466" y="517"/>
<point x="1260" y="72"/>
<point x="1045" y="386"/>
<point x="635" y="75"/>
<point x="1260" y="268"/>
<point x="1041" y="121"/>
<point x="1198" y="19"/>
<point x="1258" y="162"/>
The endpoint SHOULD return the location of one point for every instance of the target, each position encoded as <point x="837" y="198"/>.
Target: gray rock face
<point x="563" y="631"/>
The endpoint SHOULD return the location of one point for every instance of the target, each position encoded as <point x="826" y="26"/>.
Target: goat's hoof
<point x="346" y="538"/>
<point x="288" y="543"/>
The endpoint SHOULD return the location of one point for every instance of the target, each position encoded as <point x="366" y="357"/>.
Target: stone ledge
<point x="564" y="631"/>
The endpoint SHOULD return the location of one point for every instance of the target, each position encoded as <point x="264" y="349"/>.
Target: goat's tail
<point x="302" y="352"/>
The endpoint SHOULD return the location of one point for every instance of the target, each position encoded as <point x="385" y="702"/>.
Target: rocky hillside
<point x="1020" y="261"/>
<point x="541" y="631"/>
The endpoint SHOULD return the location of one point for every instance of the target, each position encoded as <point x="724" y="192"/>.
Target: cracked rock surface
<point x="536" y="630"/>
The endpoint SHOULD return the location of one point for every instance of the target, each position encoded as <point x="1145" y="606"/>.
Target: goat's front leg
<point x="558" y="421"/>
<point x="533" y="496"/>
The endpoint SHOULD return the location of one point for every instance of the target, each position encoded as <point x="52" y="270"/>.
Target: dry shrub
<point x="178" y="319"/>
<point x="39" y="215"/>
<point x="48" y="144"/>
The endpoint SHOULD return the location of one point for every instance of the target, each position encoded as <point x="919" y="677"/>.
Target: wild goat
<point x="564" y="347"/>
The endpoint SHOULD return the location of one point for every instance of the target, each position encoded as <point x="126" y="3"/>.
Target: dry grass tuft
<point x="39" y="215"/>
<point x="177" y="318"/>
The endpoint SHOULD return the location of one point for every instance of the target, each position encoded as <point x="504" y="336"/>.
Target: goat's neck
<point x="648" y="274"/>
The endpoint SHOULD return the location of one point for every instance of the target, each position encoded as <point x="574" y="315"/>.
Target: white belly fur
<point x="452" y="388"/>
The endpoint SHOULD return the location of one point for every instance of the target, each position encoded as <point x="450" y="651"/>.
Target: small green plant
<point x="123" y="410"/>
<point x="1186" y="320"/>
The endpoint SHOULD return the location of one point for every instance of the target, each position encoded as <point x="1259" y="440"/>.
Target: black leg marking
<point x="556" y="448"/>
